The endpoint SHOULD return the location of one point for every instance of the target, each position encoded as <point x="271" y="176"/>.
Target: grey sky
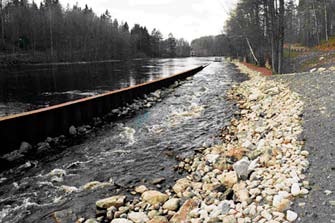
<point x="184" y="18"/>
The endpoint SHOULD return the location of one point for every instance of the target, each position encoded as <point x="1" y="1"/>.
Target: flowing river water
<point x="28" y="87"/>
<point x="129" y="152"/>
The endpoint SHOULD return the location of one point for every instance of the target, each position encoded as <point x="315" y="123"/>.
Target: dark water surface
<point x="28" y="87"/>
<point x="128" y="151"/>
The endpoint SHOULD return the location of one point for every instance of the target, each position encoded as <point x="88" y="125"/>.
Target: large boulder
<point x="172" y="204"/>
<point x="228" y="179"/>
<point x="64" y="216"/>
<point x="181" y="185"/>
<point x="138" y="217"/>
<point x="116" y="201"/>
<point x="154" y="197"/>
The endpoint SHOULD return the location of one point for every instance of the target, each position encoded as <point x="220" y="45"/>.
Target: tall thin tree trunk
<point x="326" y="20"/>
<point x="252" y="51"/>
<point x="316" y="23"/>
<point x="274" y="45"/>
<point x="51" y="35"/>
<point x="2" y="24"/>
<point x="281" y="35"/>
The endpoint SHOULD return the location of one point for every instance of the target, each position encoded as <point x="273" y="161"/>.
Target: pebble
<point x="172" y="204"/>
<point x="291" y="216"/>
<point x="138" y="217"/>
<point x="121" y="220"/>
<point x="154" y="197"/>
<point x="116" y="201"/>
<point x="141" y="189"/>
<point x="295" y="189"/>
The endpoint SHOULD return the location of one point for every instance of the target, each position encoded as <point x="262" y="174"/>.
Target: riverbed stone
<point x="116" y="201"/>
<point x="64" y="216"/>
<point x="138" y="217"/>
<point x="241" y="168"/>
<point x="291" y="216"/>
<point x="141" y="189"/>
<point x="295" y="189"/>
<point x="154" y="197"/>
<point x="185" y="209"/>
<point x="172" y="204"/>
<point x="159" y="219"/>
<point x="228" y="179"/>
<point x="121" y="220"/>
<point x="25" y="148"/>
<point x="181" y="185"/>
<point x="72" y="131"/>
<point x="241" y="192"/>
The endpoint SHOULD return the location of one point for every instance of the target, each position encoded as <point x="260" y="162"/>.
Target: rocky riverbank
<point x="252" y="177"/>
<point x="318" y="94"/>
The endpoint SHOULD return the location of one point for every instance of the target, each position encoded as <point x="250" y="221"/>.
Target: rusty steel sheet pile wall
<point x="36" y="126"/>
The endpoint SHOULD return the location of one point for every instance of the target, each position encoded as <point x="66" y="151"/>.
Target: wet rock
<point x="57" y="172"/>
<point x="291" y="216"/>
<point x="181" y="185"/>
<point x="138" y="217"/>
<point x="172" y="204"/>
<point x="156" y="94"/>
<point x="116" y="201"/>
<point x="321" y="69"/>
<point x="72" y="131"/>
<point x="64" y="216"/>
<point x="25" y="148"/>
<point x="141" y="189"/>
<point x="96" y="184"/>
<point x="154" y="197"/>
<point x="91" y="220"/>
<point x="158" y="180"/>
<point x="332" y="203"/>
<point x="68" y="189"/>
<point x="43" y="147"/>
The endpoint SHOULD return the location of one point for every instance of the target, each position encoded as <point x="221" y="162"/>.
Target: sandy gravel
<point x="318" y="93"/>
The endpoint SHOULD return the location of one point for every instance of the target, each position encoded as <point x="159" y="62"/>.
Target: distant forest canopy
<point x="210" y="46"/>
<point x="258" y="29"/>
<point x="49" y="32"/>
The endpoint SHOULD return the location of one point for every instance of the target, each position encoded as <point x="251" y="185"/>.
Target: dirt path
<point x="318" y="93"/>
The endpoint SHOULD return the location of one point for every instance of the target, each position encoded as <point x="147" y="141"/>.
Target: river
<point x="128" y="152"/>
<point x="28" y="87"/>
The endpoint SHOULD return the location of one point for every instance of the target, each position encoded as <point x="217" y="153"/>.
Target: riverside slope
<point x="253" y="176"/>
<point x="317" y="90"/>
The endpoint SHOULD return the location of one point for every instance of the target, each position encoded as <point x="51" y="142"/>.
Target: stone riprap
<point x="253" y="176"/>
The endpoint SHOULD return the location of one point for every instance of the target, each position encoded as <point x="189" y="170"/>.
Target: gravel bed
<point x="318" y="93"/>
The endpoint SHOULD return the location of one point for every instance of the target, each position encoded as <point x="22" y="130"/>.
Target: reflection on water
<point x="34" y="86"/>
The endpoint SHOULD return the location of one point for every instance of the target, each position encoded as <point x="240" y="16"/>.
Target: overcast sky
<point x="184" y="18"/>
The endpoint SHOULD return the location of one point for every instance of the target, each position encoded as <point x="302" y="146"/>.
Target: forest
<point x="51" y="33"/>
<point x="258" y="30"/>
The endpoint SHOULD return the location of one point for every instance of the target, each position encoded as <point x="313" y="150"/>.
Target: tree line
<point x="257" y="30"/>
<point x="50" y="32"/>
